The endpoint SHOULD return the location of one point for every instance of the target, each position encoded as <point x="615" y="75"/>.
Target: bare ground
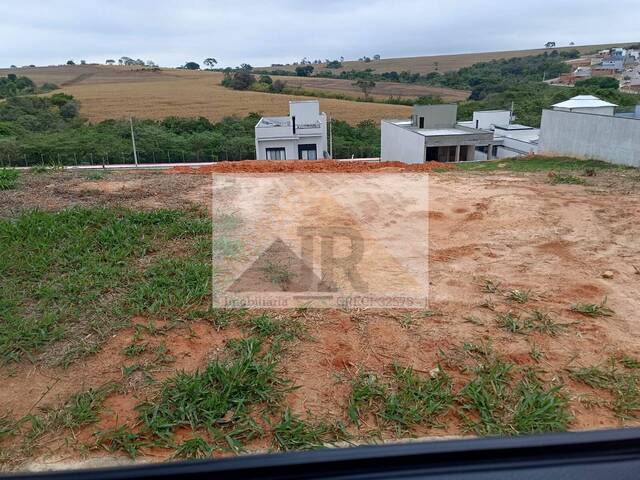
<point x="517" y="229"/>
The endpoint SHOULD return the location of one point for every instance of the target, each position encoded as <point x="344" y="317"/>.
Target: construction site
<point x="530" y="327"/>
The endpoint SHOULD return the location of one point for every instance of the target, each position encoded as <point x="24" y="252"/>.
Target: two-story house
<point x="300" y="136"/>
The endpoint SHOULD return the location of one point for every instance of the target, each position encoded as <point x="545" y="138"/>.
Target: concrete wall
<point x="485" y="120"/>
<point x="400" y="144"/>
<point x="435" y="116"/>
<point x="291" y="146"/>
<point x="612" y="139"/>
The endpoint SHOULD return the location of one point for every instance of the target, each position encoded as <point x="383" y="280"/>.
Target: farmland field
<point x="444" y="63"/>
<point x="382" y="90"/>
<point x="117" y="92"/>
<point x="531" y="325"/>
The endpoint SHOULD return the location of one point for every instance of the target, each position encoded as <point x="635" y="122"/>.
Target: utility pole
<point x="133" y="142"/>
<point x="331" y="138"/>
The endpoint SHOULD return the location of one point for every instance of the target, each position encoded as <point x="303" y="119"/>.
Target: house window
<point x="276" y="154"/>
<point x="421" y="122"/>
<point x="307" y="152"/>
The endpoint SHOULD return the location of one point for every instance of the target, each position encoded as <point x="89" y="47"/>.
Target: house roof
<point x="584" y="101"/>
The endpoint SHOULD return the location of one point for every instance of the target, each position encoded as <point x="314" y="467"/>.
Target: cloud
<point x="269" y="31"/>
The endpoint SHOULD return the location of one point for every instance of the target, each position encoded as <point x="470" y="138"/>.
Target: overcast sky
<point x="44" y="32"/>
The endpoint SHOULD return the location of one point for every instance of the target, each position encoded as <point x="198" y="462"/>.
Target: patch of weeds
<point x="278" y="273"/>
<point x="122" y="439"/>
<point x="491" y="286"/>
<point x="95" y="176"/>
<point x="226" y="247"/>
<point x="293" y="433"/>
<point x="220" y="397"/>
<point x="196" y="447"/>
<point x="520" y="296"/>
<point x="8" y="427"/>
<point x="511" y="323"/>
<point x="416" y="400"/>
<point x="488" y="304"/>
<point x="8" y="178"/>
<point x="134" y="349"/>
<point x="542" y="322"/>
<point x="535" y="353"/>
<point x="493" y="403"/>
<point x="592" y="309"/>
<point x="39" y="169"/>
<point x="278" y="329"/>
<point x="474" y="320"/>
<point x="219" y="317"/>
<point x="630" y="362"/>
<point x="567" y="179"/>
<point x="624" y="386"/>
<point x="67" y="274"/>
<point x="368" y="396"/>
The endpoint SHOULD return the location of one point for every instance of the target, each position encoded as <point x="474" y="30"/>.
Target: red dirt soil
<point x="315" y="166"/>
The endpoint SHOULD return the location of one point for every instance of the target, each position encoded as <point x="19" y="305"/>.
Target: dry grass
<point x="117" y="92"/>
<point x="445" y="62"/>
<point x="381" y="90"/>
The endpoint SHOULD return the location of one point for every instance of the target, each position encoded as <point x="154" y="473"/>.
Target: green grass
<point x="77" y="273"/>
<point x="493" y="402"/>
<point x="8" y="178"/>
<point x="122" y="439"/>
<point x="293" y="433"/>
<point x="407" y="399"/>
<point x="620" y="379"/>
<point x="193" y="448"/>
<point x="220" y="397"/>
<point x="567" y="179"/>
<point x="278" y="273"/>
<point x="538" y="321"/>
<point x="593" y="309"/>
<point x="539" y="164"/>
<point x="520" y="296"/>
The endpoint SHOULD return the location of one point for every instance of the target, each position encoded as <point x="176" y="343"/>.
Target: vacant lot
<point x="109" y="349"/>
<point x="118" y="92"/>
<point x="442" y="63"/>
<point x="382" y="90"/>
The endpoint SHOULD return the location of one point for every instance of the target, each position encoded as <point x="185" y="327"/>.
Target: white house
<point x="432" y="135"/>
<point x="300" y="136"/>
<point x="510" y="139"/>
<point x="586" y="104"/>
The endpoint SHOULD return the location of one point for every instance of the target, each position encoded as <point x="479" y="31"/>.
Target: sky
<point x="170" y="33"/>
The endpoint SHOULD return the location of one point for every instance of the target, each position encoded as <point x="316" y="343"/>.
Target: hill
<point x="119" y="92"/>
<point x="443" y="63"/>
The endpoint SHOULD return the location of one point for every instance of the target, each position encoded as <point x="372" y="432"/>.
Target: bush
<point x="240" y="80"/>
<point x="334" y="64"/>
<point x="266" y="79"/>
<point x="304" y="71"/>
<point x="8" y="178"/>
<point x="599" y="82"/>
<point x="278" y="86"/>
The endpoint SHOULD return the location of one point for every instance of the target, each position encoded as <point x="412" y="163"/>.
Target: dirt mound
<point x="315" y="166"/>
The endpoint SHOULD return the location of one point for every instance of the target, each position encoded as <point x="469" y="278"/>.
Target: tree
<point x="240" y="80"/>
<point x="192" y="66"/>
<point x="334" y="64"/>
<point x="599" y="82"/>
<point x="278" y="86"/>
<point x="304" y="71"/>
<point x="210" y="62"/>
<point x="70" y="62"/>
<point x="246" y="67"/>
<point x="366" y="85"/>
<point x="376" y="57"/>
<point x="83" y="62"/>
<point x="550" y="44"/>
<point x="110" y="61"/>
<point x="266" y="79"/>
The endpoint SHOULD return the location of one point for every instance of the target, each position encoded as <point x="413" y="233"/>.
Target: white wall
<point x="304" y="111"/>
<point x="399" y="144"/>
<point x="601" y="137"/>
<point x="485" y="120"/>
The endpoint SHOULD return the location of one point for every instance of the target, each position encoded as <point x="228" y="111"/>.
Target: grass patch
<point x="8" y="178"/>
<point x="592" y="309"/>
<point x="78" y="271"/>
<point x="520" y="296"/>
<point x="219" y="399"/>
<point x="621" y="381"/>
<point x="539" y="321"/>
<point x="278" y="273"/>
<point x="405" y="400"/>
<point x="293" y="433"/>
<point x="567" y="179"/>
<point x="194" y="448"/>
<point x="493" y="402"/>
<point x="539" y="164"/>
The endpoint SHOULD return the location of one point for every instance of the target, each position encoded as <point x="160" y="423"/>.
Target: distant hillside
<point x="444" y="63"/>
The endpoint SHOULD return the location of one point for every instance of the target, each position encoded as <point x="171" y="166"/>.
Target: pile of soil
<point x="314" y="166"/>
